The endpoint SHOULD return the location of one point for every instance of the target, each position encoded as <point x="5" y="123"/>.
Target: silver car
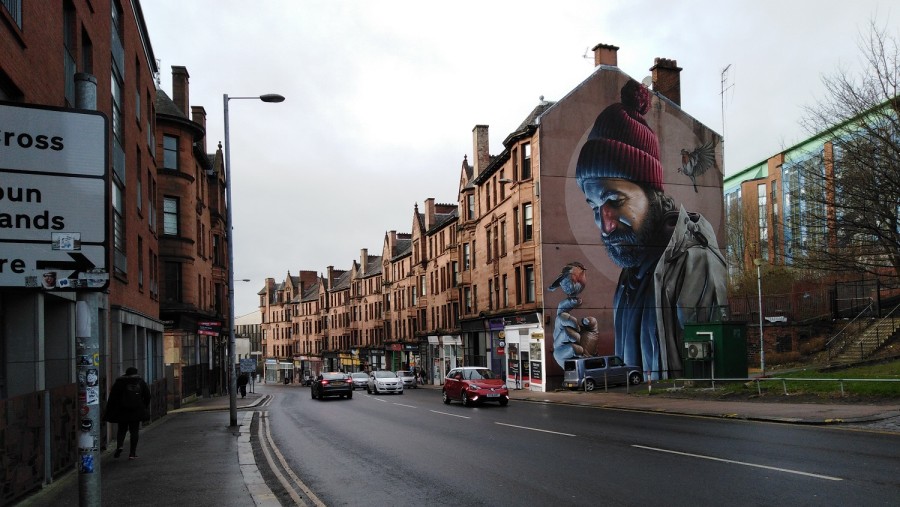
<point x="409" y="380"/>
<point x="384" y="381"/>
<point x="360" y="379"/>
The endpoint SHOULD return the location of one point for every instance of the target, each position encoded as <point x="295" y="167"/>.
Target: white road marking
<point x="452" y="415"/>
<point x="402" y="405"/>
<point x="722" y="460"/>
<point x="303" y="487"/>
<point x="535" y="429"/>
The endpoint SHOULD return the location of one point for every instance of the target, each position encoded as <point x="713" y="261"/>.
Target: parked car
<point x="409" y="380"/>
<point x="384" y="381"/>
<point x="360" y="379"/>
<point x="333" y="383"/>
<point x="589" y="373"/>
<point x="473" y="384"/>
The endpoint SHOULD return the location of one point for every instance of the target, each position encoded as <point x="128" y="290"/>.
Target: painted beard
<point x="627" y="247"/>
<point x="624" y="248"/>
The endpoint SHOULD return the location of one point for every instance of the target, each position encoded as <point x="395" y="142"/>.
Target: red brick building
<point x="44" y="46"/>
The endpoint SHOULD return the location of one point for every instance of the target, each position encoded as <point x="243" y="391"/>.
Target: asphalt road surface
<point x="412" y="450"/>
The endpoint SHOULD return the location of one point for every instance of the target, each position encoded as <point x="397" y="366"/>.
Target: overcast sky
<point x="382" y="96"/>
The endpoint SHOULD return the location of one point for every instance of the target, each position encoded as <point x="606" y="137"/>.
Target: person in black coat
<point x="128" y="404"/>
<point x="242" y="381"/>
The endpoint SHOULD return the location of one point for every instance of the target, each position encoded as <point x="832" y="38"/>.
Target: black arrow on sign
<point x="78" y="264"/>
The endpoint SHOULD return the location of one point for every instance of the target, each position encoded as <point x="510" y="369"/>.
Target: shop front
<point x="522" y="344"/>
<point x="445" y="353"/>
<point x="271" y="370"/>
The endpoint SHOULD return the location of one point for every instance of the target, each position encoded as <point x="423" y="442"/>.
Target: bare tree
<point x="842" y="199"/>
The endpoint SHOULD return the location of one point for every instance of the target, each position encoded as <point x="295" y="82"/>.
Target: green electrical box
<point x="715" y="349"/>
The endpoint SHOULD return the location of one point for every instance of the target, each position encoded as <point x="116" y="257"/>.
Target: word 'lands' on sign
<point x="54" y="198"/>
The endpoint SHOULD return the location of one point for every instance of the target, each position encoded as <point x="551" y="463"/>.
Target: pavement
<point x="194" y="456"/>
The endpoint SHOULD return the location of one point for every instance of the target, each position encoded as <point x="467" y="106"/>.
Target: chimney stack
<point x="180" y="87"/>
<point x="481" y="155"/>
<point x="364" y="259"/>
<point x="429" y="213"/>
<point x="198" y="115"/>
<point x="606" y="54"/>
<point x="667" y="79"/>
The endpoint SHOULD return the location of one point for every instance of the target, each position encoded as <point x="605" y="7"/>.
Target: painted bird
<point x="697" y="162"/>
<point x="572" y="279"/>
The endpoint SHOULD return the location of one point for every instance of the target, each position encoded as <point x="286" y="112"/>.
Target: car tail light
<point x="324" y="382"/>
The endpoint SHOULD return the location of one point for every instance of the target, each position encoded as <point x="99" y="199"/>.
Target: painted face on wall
<point x="623" y="214"/>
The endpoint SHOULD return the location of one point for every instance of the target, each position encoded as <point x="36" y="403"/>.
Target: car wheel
<point x="445" y="397"/>
<point x="634" y="378"/>
<point x="504" y="402"/>
<point x="588" y="384"/>
<point x="312" y="392"/>
<point x="464" y="398"/>
<point x="401" y="391"/>
<point x="350" y="395"/>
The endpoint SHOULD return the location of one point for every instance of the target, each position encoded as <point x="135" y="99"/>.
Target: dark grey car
<point x="590" y="372"/>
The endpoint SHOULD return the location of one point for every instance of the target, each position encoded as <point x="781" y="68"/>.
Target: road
<point x="412" y="450"/>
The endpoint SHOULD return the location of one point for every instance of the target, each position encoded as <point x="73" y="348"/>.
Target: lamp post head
<point x="758" y="262"/>
<point x="271" y="97"/>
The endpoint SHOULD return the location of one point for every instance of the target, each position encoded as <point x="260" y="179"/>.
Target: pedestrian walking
<point x="128" y="404"/>
<point x="242" y="381"/>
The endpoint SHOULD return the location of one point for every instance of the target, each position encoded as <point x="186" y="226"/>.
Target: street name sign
<point x="54" y="198"/>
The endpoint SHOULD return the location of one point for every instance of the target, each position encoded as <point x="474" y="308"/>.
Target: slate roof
<point x="165" y="105"/>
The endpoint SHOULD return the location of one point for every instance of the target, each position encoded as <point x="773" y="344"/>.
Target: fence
<point x="786" y="380"/>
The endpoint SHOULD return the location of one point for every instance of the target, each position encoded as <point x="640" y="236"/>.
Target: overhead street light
<point x="762" y="351"/>
<point x="229" y="233"/>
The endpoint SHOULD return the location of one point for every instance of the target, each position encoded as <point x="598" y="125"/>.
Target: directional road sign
<point x="54" y="198"/>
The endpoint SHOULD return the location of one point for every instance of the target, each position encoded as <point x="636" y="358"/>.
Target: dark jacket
<point x="129" y="400"/>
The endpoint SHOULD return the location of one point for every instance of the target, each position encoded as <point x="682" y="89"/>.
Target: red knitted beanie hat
<point x="621" y="144"/>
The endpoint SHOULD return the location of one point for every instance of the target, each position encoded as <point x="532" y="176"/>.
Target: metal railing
<point x="856" y="322"/>
<point x="860" y="331"/>
<point x="784" y="381"/>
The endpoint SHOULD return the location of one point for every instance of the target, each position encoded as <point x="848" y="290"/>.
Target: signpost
<point x="54" y="223"/>
<point x="54" y="198"/>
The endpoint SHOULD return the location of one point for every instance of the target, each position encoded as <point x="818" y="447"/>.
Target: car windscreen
<point x="334" y="376"/>
<point x="360" y="374"/>
<point x="385" y="374"/>
<point x="404" y="374"/>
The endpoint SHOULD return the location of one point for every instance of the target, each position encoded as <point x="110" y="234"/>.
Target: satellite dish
<point x="647" y="81"/>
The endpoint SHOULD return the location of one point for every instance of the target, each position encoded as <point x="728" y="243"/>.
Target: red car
<point x="474" y="384"/>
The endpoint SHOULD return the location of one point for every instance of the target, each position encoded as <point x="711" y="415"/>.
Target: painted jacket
<point x="691" y="284"/>
<point x="688" y="285"/>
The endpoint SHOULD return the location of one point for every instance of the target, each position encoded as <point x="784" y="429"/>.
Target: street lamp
<point x="229" y="233"/>
<point x="762" y="351"/>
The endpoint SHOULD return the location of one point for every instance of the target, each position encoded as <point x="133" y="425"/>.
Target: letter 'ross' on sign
<point x="55" y="198"/>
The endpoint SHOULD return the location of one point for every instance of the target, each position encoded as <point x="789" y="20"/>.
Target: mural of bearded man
<point x="672" y="270"/>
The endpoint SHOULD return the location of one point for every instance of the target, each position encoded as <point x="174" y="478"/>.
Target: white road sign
<point x="54" y="198"/>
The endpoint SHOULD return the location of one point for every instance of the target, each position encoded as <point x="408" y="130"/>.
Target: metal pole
<point x="87" y="350"/>
<point x="229" y="234"/>
<point x="762" y="351"/>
